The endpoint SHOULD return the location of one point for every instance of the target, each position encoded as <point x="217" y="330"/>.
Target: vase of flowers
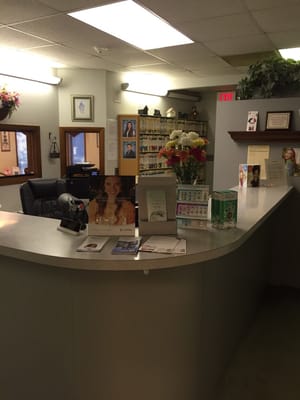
<point x="9" y="102"/>
<point x="185" y="153"/>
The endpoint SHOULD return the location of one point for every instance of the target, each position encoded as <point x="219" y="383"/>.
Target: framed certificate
<point x="278" y="120"/>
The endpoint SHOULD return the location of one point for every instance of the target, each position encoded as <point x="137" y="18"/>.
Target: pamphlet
<point x="127" y="245"/>
<point x="252" y="121"/>
<point x="276" y="172"/>
<point x="156" y="205"/>
<point x="93" y="244"/>
<point x="257" y="154"/>
<point x="164" y="244"/>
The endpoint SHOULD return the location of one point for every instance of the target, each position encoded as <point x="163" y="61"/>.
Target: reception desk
<point x="85" y="326"/>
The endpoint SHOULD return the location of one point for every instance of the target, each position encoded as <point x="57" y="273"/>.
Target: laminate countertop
<point x="38" y="240"/>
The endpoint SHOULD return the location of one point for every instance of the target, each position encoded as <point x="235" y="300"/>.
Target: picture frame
<point x="128" y="139"/>
<point x="129" y="149"/>
<point x="104" y="220"/>
<point x="5" y="141"/>
<point x="128" y="126"/>
<point x="82" y="107"/>
<point x="278" y="120"/>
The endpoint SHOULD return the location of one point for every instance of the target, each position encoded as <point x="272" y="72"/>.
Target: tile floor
<point x="266" y="365"/>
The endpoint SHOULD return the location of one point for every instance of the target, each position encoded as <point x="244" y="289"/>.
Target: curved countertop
<point x="38" y="240"/>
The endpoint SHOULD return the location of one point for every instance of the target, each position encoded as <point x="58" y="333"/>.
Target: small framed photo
<point x="278" y="120"/>
<point x="5" y="141"/>
<point x="128" y="126"/>
<point x="83" y="108"/>
<point x="129" y="149"/>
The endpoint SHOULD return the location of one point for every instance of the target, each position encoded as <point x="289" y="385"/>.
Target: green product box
<point x="224" y="209"/>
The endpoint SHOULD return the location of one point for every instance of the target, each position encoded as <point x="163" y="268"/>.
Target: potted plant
<point x="270" y="77"/>
<point x="9" y="102"/>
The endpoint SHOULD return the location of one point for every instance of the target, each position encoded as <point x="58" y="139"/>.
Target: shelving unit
<point x="151" y="135"/>
<point x="265" y="136"/>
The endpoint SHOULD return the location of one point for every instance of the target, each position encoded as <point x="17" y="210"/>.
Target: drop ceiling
<point x="228" y="36"/>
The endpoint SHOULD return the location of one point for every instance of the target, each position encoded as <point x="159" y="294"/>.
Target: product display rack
<point x="192" y="206"/>
<point x="152" y="133"/>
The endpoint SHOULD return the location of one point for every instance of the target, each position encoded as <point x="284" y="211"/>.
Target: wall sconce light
<point x="54" y="149"/>
<point x="148" y="88"/>
<point x="48" y="79"/>
<point x="184" y="95"/>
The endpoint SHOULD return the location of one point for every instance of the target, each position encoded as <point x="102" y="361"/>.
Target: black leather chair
<point x="39" y="197"/>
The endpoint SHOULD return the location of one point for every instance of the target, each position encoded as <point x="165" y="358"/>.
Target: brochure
<point x="93" y="244"/>
<point x="156" y="205"/>
<point x="252" y="121"/>
<point x="127" y="245"/>
<point x="164" y="244"/>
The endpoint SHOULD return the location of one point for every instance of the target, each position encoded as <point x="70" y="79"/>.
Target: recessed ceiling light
<point x="292" y="53"/>
<point x="132" y="23"/>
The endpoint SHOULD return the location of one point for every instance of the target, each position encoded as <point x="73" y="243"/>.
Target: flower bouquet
<point x="185" y="154"/>
<point x="9" y="100"/>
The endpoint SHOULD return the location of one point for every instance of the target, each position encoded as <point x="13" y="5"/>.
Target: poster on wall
<point x="5" y="141"/>
<point x="291" y="157"/>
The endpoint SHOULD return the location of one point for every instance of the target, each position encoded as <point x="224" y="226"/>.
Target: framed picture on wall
<point x="129" y="149"/>
<point x="278" y="120"/>
<point x="5" y="141"/>
<point x="82" y="108"/>
<point x="129" y="127"/>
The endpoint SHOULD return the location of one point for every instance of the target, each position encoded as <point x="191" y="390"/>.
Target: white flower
<point x="185" y="141"/>
<point x="193" y="135"/>
<point x="176" y="134"/>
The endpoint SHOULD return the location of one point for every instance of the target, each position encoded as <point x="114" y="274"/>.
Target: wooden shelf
<point x="265" y="136"/>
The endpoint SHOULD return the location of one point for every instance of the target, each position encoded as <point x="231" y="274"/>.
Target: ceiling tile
<point x="278" y="19"/>
<point x="176" y="11"/>
<point x="20" y="10"/>
<point x="13" y="38"/>
<point x="263" y="4"/>
<point x="285" y="39"/>
<point x="189" y="52"/>
<point x="241" y="45"/>
<point x="219" y="28"/>
<point x="71" y="5"/>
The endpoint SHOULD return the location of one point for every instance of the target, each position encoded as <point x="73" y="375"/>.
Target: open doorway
<point x="81" y="145"/>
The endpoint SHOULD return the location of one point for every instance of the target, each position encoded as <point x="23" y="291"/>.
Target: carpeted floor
<point x="266" y="365"/>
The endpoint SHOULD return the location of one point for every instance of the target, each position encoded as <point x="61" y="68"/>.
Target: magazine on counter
<point x="164" y="244"/>
<point x="127" y="245"/>
<point x="93" y="244"/>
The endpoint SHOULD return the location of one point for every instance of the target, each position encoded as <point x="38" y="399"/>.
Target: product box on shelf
<point x="224" y="206"/>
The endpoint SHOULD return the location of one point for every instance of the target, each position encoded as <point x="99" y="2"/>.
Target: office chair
<point x="39" y="197"/>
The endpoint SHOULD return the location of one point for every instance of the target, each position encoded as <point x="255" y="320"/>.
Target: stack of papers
<point x="164" y="244"/>
<point x="93" y="243"/>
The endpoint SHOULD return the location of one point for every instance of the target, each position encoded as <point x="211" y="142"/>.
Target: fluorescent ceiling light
<point x="132" y="23"/>
<point x="293" y="53"/>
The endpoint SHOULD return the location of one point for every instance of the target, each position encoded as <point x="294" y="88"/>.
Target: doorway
<point x="81" y="145"/>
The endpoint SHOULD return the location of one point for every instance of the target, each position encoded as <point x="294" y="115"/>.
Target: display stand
<point x="156" y="197"/>
<point x="192" y="206"/>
